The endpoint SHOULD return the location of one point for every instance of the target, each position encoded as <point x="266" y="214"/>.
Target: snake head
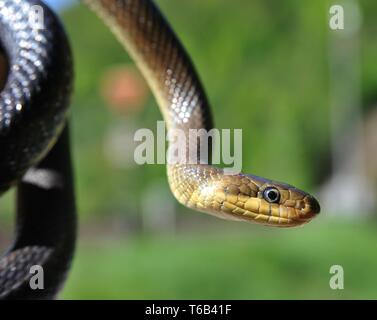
<point x="272" y="203"/>
<point x="241" y="197"/>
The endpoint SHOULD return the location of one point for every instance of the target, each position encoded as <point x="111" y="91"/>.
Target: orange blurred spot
<point x="124" y="90"/>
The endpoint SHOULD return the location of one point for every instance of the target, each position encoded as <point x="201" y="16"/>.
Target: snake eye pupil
<point x="271" y="195"/>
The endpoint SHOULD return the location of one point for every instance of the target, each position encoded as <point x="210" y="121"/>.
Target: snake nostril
<point x="314" y="205"/>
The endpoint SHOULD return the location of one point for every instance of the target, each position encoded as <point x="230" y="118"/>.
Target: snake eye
<point x="271" y="195"/>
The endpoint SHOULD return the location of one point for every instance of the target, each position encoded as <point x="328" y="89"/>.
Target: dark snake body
<point x="33" y="105"/>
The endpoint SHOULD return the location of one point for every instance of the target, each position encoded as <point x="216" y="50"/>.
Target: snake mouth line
<point x="276" y="220"/>
<point x="232" y="212"/>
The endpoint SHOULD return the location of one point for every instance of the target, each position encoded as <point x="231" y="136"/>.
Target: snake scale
<point x="35" y="145"/>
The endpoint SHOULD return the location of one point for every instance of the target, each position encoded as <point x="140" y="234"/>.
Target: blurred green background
<point x="264" y="64"/>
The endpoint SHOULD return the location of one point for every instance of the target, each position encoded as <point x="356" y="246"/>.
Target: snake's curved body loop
<point x="33" y="106"/>
<point x="34" y="101"/>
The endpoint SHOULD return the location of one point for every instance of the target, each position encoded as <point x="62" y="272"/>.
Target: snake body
<point x="34" y="140"/>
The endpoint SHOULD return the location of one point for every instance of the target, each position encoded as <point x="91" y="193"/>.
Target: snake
<point x="36" y="85"/>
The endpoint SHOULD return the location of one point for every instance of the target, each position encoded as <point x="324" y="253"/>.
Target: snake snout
<point x="313" y="205"/>
<point x="310" y="208"/>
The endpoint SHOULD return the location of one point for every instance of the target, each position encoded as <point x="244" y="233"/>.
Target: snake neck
<point x="170" y="73"/>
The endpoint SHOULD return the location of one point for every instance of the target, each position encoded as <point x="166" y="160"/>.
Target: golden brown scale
<point x="167" y="68"/>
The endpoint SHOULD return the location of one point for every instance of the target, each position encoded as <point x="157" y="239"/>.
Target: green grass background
<point x="248" y="264"/>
